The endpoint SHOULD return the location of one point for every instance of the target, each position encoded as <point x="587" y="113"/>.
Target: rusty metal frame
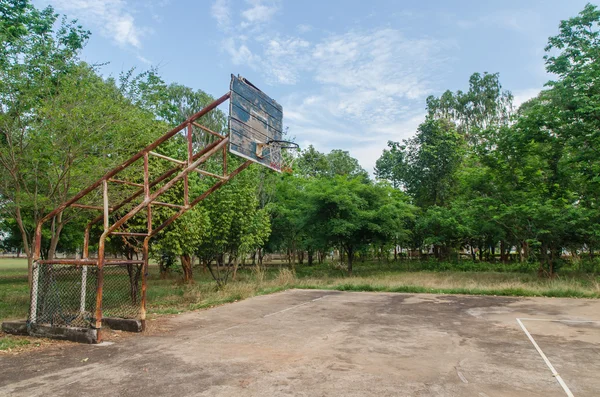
<point x="174" y="175"/>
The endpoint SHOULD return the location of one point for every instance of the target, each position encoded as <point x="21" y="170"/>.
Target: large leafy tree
<point x="61" y="126"/>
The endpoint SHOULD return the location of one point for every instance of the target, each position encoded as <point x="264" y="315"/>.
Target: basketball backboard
<point x="255" y="121"/>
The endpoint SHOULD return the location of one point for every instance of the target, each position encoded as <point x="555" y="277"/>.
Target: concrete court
<point x="326" y="343"/>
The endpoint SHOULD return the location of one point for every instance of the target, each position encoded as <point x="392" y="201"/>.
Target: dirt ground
<point x="325" y="343"/>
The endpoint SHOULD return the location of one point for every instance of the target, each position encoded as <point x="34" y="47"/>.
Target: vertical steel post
<point x="34" y="293"/>
<point x="146" y="177"/>
<point x="144" y="282"/>
<point x="86" y="242"/>
<point x="100" y="265"/>
<point x="83" y="289"/>
<point x="145" y="247"/>
<point x="105" y="202"/>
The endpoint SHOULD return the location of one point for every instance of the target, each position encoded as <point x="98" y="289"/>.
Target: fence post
<point x="34" y="293"/>
<point x="144" y="283"/>
<point x="83" y="289"/>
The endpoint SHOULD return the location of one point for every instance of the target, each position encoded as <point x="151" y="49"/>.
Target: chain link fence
<point x="65" y="295"/>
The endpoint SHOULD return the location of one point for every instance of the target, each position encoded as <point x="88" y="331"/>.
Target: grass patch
<point x="10" y="342"/>
<point x="169" y="296"/>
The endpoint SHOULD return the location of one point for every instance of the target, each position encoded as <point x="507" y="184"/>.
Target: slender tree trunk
<point x="26" y="247"/>
<point x="350" y="251"/>
<point x="235" y="267"/>
<point x="186" y="265"/>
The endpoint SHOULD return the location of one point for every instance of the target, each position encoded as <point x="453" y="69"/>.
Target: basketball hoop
<point x="278" y="160"/>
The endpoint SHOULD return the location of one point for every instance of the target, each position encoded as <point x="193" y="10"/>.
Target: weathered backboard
<point x="254" y="120"/>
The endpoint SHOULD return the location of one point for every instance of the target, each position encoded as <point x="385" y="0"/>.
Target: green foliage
<point x="313" y="163"/>
<point x="490" y="179"/>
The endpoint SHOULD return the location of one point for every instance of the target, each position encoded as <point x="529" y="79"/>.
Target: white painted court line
<point x="560" y="321"/>
<point x="548" y="363"/>
<point x="293" y="307"/>
<point x="265" y="316"/>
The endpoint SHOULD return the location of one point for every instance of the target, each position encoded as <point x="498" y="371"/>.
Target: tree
<point x="237" y="225"/>
<point x="312" y="163"/>
<point x="352" y="213"/>
<point x="61" y="126"/>
<point x="391" y="165"/>
<point x="433" y="157"/>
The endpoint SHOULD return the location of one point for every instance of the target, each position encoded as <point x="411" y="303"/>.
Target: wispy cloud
<point x="260" y="11"/>
<point x="110" y="16"/>
<point x="221" y="12"/>
<point x="354" y="89"/>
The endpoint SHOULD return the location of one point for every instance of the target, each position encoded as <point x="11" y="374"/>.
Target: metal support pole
<point x="144" y="283"/>
<point x="34" y="293"/>
<point x="100" y="275"/>
<point x="105" y="199"/>
<point x="86" y="242"/>
<point x="84" y="270"/>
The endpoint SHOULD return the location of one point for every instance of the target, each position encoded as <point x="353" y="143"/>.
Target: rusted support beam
<point x="190" y="147"/>
<point x="223" y="178"/>
<point x="145" y="256"/>
<point x="121" y="182"/>
<point x="86" y="242"/>
<point x="200" y="198"/>
<point x="169" y="205"/>
<point x="168" y="185"/>
<point x="88" y="207"/>
<point x="129" y="234"/>
<point x="146" y="177"/>
<point x="162" y="156"/>
<point x="203" y="128"/>
<point x="67" y="261"/>
<point x="137" y="156"/>
<point x="88" y="262"/>
<point x="149" y="218"/>
<point x="155" y="182"/>
<point x="105" y="200"/>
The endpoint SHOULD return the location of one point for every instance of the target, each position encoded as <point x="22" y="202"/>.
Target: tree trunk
<point x="56" y="229"/>
<point x="186" y="265"/>
<point x="235" y="267"/>
<point x="309" y="257"/>
<point x="26" y="247"/>
<point x="350" y="251"/>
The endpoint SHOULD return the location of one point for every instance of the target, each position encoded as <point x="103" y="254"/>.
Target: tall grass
<point x="171" y="296"/>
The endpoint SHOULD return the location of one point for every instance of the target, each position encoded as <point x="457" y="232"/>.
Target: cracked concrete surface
<point x="326" y="343"/>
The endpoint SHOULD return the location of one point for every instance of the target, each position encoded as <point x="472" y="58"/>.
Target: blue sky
<point x="349" y="74"/>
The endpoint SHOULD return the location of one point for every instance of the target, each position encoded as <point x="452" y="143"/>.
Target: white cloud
<point x="260" y="11"/>
<point x="363" y="87"/>
<point x="284" y="58"/>
<point x="220" y="11"/>
<point x="111" y="16"/>
<point x="239" y="52"/>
